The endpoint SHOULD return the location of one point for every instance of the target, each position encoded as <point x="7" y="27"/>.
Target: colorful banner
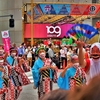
<point x="65" y="9"/>
<point x="84" y="9"/>
<point x="76" y="9"/>
<point x="53" y="9"/>
<point x="92" y="9"/>
<point x="59" y="9"/>
<point x="6" y="40"/>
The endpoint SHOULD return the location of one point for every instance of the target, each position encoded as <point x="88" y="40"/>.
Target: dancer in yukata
<point x="18" y="68"/>
<point x="72" y="75"/>
<point x="43" y="71"/>
<point x="7" y="89"/>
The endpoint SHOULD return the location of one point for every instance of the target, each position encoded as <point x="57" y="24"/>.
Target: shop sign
<point x="92" y="9"/>
<point x="53" y="31"/>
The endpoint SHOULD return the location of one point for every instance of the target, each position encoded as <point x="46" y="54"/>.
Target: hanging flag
<point x="6" y="41"/>
<point x="75" y="9"/>
<point x="80" y="30"/>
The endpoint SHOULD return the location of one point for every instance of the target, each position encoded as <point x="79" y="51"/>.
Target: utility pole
<point x="32" y="28"/>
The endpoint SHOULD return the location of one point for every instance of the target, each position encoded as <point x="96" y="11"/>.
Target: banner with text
<point x="47" y="30"/>
<point x="6" y="40"/>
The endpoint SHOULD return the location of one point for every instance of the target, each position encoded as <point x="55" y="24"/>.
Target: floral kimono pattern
<point x="42" y="80"/>
<point x="7" y="91"/>
<point x="78" y="79"/>
<point x="22" y="76"/>
<point x="18" y="73"/>
<point x="74" y="76"/>
<point x="17" y="76"/>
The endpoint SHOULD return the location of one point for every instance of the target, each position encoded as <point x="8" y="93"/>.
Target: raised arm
<point x="64" y="71"/>
<point x="82" y="61"/>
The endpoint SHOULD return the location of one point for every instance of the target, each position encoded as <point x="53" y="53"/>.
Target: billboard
<point x="46" y="30"/>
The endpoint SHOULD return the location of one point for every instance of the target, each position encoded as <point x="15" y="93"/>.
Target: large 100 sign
<point x="53" y="31"/>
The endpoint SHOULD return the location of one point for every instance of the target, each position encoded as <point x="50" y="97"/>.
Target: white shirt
<point x="62" y="53"/>
<point x="29" y="54"/>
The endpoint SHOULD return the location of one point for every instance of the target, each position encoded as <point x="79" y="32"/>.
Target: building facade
<point x="14" y="7"/>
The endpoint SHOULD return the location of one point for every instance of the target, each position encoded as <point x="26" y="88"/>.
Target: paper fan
<point x="82" y="30"/>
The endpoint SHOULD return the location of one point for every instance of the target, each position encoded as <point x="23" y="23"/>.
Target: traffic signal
<point x="11" y="22"/>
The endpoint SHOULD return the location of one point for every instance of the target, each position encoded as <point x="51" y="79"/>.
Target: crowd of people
<point x="79" y="64"/>
<point x="80" y="79"/>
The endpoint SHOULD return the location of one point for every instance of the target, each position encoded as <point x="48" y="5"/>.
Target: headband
<point x="97" y="44"/>
<point x="40" y="48"/>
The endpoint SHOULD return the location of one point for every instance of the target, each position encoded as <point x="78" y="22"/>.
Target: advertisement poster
<point x="47" y="30"/>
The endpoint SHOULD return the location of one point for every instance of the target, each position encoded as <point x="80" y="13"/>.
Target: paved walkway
<point x="28" y="93"/>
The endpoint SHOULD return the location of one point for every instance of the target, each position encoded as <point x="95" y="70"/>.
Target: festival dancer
<point x="7" y="89"/>
<point x="43" y="73"/>
<point x="18" y="68"/>
<point x="91" y="65"/>
<point x="72" y="75"/>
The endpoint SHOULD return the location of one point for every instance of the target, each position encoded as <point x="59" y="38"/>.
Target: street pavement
<point x="28" y="93"/>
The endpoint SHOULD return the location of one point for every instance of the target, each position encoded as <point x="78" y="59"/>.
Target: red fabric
<point x="25" y="80"/>
<point x="87" y="65"/>
<point x="2" y="90"/>
<point x="57" y="42"/>
<point x="78" y="79"/>
<point x="97" y="25"/>
<point x="25" y="67"/>
<point x="47" y="62"/>
<point x="47" y="81"/>
<point x="11" y="90"/>
<point x="45" y="42"/>
<point x="86" y="55"/>
<point x="22" y="75"/>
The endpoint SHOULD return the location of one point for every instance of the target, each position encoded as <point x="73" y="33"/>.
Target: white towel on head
<point x="97" y="44"/>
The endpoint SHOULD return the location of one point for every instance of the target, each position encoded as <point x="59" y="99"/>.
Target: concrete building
<point x="14" y="7"/>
